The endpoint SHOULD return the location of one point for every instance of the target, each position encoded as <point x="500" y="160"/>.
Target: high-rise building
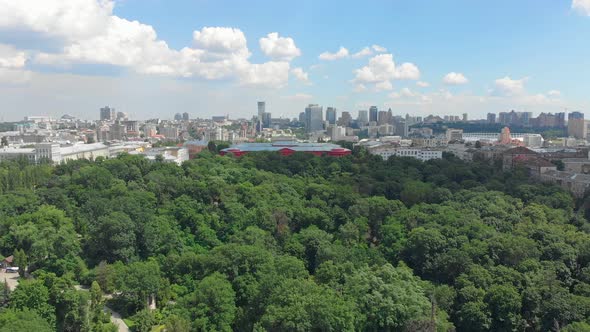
<point x="577" y="128"/>
<point x="117" y="131"/>
<point x="373" y="114"/>
<point x="401" y="128"/>
<point x="177" y="117"/>
<point x="266" y="119"/>
<point x="363" y="118"/>
<point x="331" y="115"/>
<point x="345" y="119"/>
<point x="382" y="118"/>
<point x="185" y="116"/>
<point x="169" y="132"/>
<point x="575" y="115"/>
<point x="107" y="114"/>
<point x="514" y="118"/>
<point x="302" y="117"/>
<point x="122" y="116"/>
<point x="491" y="117"/>
<point x="314" y="118"/>
<point x="261" y="109"/>
<point x="464" y="117"/>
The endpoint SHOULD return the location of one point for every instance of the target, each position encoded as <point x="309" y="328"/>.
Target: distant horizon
<point x="213" y="58"/>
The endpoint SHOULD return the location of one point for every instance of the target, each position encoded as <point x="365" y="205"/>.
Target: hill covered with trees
<point x="299" y="243"/>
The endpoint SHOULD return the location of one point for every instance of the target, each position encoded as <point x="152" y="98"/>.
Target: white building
<point x="422" y="154"/>
<point x="16" y="154"/>
<point x="56" y="154"/>
<point x="168" y="154"/>
<point x="532" y="140"/>
<point x="83" y="151"/>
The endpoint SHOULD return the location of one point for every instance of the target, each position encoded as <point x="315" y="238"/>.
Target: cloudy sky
<point x="153" y="58"/>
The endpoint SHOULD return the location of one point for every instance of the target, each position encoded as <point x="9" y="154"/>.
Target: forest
<point x="298" y="243"/>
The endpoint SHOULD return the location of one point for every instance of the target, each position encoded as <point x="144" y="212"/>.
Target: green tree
<point x="20" y="260"/>
<point x="34" y="296"/>
<point x="23" y="320"/>
<point x="302" y="305"/>
<point x="213" y="304"/>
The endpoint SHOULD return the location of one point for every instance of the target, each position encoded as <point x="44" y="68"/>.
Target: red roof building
<point x="287" y="149"/>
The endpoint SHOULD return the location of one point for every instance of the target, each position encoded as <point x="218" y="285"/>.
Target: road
<point x="115" y="316"/>
<point x="116" y="319"/>
<point x="10" y="278"/>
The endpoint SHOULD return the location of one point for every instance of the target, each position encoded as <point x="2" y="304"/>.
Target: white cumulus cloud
<point x="508" y="87"/>
<point x="299" y="96"/>
<point x="71" y="19"/>
<point x="10" y="57"/>
<point x="384" y="86"/>
<point x="12" y="63"/>
<point x="362" y="53"/>
<point x="300" y="74"/>
<point x="281" y="48"/>
<point x="422" y="84"/>
<point x="342" y="53"/>
<point x="381" y="69"/>
<point x="581" y="6"/>
<point x="454" y="78"/>
<point x="90" y="34"/>
<point x="554" y="93"/>
<point x="379" y="49"/>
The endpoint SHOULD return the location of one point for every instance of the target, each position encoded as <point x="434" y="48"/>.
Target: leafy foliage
<point x="298" y="243"/>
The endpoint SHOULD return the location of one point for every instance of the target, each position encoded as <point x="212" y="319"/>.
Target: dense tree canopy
<point x="298" y="243"/>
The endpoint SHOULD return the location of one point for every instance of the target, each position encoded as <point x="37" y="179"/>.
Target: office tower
<point x="261" y="109"/>
<point x="401" y="127"/>
<point x="177" y="117"/>
<point x="331" y="115"/>
<point x="363" y="118"/>
<point x="302" y="117"/>
<point x="345" y="119"/>
<point x="390" y="116"/>
<point x="382" y="118"/>
<point x="373" y="114"/>
<point x="266" y="119"/>
<point x="107" y="114"/>
<point x="464" y="117"/>
<point x="491" y="117"/>
<point x="314" y="118"/>
<point x="185" y="116"/>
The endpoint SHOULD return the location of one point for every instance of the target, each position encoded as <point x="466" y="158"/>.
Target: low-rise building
<point x="176" y="155"/>
<point x="575" y="183"/>
<point x="387" y="151"/>
<point x="287" y="149"/>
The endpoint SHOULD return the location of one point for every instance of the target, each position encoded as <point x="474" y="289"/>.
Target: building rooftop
<point x="286" y="147"/>
<point x="79" y="148"/>
<point x="564" y="175"/>
<point x="17" y="151"/>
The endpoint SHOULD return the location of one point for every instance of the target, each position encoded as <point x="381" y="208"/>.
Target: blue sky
<point x="525" y="55"/>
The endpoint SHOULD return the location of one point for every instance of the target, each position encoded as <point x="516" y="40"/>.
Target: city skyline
<point x="439" y="59"/>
